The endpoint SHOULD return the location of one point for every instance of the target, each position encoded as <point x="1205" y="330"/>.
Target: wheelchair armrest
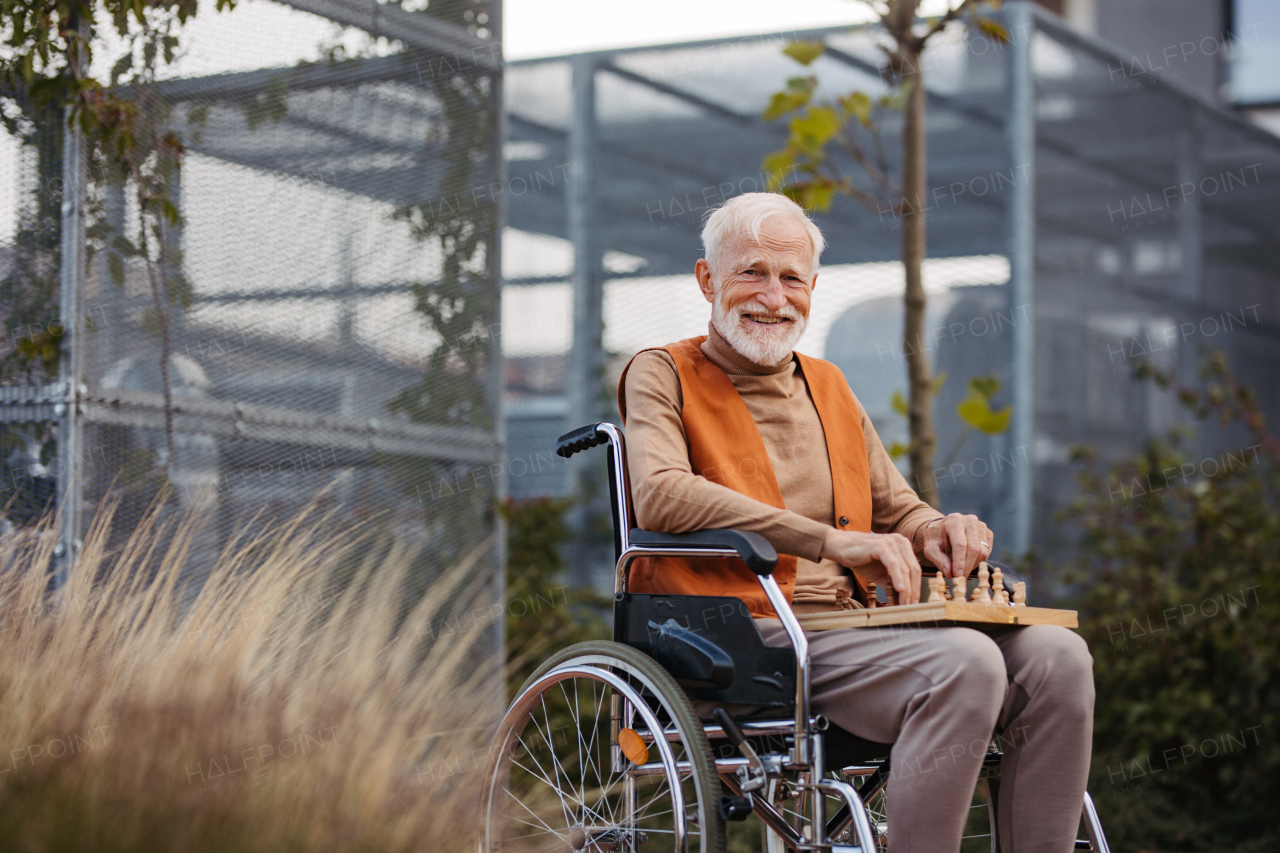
<point x="753" y="548"/>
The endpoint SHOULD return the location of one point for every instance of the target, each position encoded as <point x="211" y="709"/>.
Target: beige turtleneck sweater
<point x="670" y="498"/>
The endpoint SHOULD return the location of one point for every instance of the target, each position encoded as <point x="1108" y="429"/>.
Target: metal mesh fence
<point x="338" y="246"/>
<point x="1156" y="241"/>
<point x="677" y="130"/>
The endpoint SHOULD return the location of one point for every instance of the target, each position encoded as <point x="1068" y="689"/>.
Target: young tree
<point x="818" y="128"/>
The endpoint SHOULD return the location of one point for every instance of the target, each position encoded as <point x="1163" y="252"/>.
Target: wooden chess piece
<point x="1020" y="594"/>
<point x="984" y="584"/>
<point x="937" y="588"/>
<point x="997" y="586"/>
<point x="872" y="601"/>
<point x="957" y="588"/>
<point x="890" y="595"/>
<point x="1004" y="596"/>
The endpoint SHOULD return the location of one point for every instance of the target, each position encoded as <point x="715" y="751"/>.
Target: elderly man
<point x="737" y="430"/>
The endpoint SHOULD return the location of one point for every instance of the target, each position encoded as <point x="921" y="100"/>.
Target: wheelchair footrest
<point x="733" y="808"/>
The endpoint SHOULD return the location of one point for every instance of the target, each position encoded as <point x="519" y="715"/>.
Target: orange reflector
<point x="633" y="746"/>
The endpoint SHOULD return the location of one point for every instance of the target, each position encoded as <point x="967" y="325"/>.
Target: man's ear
<point x="814" y="286"/>
<point x="703" y="272"/>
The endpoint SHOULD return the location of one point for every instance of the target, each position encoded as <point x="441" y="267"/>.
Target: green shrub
<point x="1178" y="580"/>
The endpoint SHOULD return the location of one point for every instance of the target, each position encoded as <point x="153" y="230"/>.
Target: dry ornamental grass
<point x="296" y="700"/>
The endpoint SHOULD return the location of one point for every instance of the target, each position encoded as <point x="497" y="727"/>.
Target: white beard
<point x="759" y="344"/>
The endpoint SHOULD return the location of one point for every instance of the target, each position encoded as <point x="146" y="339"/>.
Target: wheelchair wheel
<point x="556" y="781"/>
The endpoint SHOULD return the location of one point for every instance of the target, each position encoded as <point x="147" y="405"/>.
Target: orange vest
<point x="725" y="447"/>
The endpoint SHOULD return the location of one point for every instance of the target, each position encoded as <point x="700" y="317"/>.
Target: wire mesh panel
<point x="678" y="130"/>
<point x="1156" y="241"/>
<point x="1131" y="241"/>
<point x="318" y="325"/>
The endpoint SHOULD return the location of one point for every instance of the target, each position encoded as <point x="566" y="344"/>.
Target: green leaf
<point x="804" y="52"/>
<point x="814" y="129"/>
<point x="858" y="105"/>
<point x="782" y="103"/>
<point x="899" y="403"/>
<point x="897" y="450"/>
<point x="994" y="29"/>
<point x="939" y="381"/>
<point x="984" y="386"/>
<point x="802" y="85"/>
<point x="976" y="412"/>
<point x="170" y="211"/>
<point x="122" y="65"/>
<point x="776" y="166"/>
<point x="818" y="195"/>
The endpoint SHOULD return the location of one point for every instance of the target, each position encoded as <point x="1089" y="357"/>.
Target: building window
<point x="1254" y="52"/>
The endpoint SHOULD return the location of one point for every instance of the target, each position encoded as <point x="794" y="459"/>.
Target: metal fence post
<point x="70" y="431"/>
<point x="586" y="358"/>
<point x="1021" y="224"/>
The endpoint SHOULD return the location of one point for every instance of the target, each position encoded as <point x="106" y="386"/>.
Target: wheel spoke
<point x="578" y="788"/>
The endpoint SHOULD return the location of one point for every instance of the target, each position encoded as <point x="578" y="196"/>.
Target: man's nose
<point x="771" y="294"/>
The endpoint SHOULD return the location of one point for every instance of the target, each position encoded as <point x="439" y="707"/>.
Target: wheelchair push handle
<point x="580" y="439"/>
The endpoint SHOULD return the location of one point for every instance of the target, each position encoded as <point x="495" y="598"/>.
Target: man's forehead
<point x="795" y="248"/>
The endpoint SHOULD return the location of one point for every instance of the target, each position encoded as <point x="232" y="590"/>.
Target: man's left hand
<point x="957" y="543"/>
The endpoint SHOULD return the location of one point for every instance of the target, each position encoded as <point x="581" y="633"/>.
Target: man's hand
<point x="957" y="543"/>
<point x="891" y="550"/>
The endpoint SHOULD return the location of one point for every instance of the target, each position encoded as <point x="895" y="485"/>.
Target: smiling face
<point x="760" y="290"/>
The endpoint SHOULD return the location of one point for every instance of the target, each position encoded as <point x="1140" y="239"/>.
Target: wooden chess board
<point x="938" y="613"/>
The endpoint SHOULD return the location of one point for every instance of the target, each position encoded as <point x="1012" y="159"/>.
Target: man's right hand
<point x="891" y="550"/>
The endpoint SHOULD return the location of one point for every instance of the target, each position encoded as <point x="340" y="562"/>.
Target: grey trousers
<point x="939" y="695"/>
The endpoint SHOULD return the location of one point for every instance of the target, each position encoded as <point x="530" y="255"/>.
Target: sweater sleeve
<point x="895" y="507"/>
<point x="668" y="496"/>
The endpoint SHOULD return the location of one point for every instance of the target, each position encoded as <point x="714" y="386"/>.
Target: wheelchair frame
<point x="751" y="776"/>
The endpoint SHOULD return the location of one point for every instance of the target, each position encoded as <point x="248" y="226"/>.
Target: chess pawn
<point x="872" y="601"/>
<point x="937" y="588"/>
<point x="1020" y="594"/>
<point x="1004" y="596"/>
<point x="957" y="588"/>
<point x="890" y="596"/>
<point x="997" y="586"/>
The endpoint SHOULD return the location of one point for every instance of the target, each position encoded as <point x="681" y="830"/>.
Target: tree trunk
<point x="914" y="341"/>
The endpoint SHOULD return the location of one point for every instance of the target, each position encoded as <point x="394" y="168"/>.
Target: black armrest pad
<point x="753" y="548"/>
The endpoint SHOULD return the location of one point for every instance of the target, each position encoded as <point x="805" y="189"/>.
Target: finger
<point x="934" y="554"/>
<point x="891" y="559"/>
<point x="980" y="539"/>
<point x="912" y="569"/>
<point x="981" y="542"/>
<point x="961" y="553"/>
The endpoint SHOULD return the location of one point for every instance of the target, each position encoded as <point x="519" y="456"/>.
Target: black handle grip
<point x="753" y="548"/>
<point x="580" y="439"/>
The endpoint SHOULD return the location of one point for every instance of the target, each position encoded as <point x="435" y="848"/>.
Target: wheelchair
<point x="601" y="749"/>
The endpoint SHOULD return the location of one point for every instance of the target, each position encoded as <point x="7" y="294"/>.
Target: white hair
<point x="746" y="214"/>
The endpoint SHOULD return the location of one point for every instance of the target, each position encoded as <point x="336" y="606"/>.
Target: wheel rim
<point x="555" y="784"/>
